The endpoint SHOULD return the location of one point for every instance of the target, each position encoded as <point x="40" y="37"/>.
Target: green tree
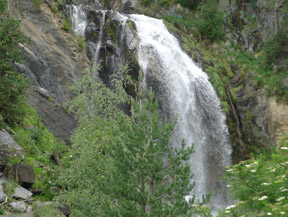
<point x="12" y="84"/>
<point x="124" y="165"/>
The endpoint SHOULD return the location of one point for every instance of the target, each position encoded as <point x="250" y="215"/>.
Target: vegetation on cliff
<point x="16" y="115"/>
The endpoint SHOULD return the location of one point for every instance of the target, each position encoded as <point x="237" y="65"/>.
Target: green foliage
<point x="81" y="40"/>
<point x="3" y="6"/>
<point x="191" y="4"/>
<point x="185" y="23"/>
<point x="47" y="211"/>
<point x="9" y="189"/>
<point x="2" y="210"/>
<point x="120" y="165"/>
<point x="12" y="85"/>
<point x="146" y="2"/>
<point x="39" y="145"/>
<point x="66" y="25"/>
<point x="211" y="22"/>
<point x="274" y="65"/>
<point x="260" y="185"/>
<point x="276" y="49"/>
<point x="37" y="3"/>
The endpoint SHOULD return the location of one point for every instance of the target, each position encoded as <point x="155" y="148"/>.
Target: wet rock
<point x="8" y="148"/>
<point x="22" y="193"/>
<point x="18" y="206"/>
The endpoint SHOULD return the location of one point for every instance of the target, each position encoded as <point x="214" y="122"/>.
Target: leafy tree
<point x="12" y="84"/>
<point x="124" y="165"/>
<point x="260" y="185"/>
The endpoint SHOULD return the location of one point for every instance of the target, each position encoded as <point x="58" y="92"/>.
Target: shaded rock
<point x="18" y="206"/>
<point x="21" y="173"/>
<point x="8" y="148"/>
<point x="22" y="193"/>
<point x="64" y="209"/>
<point x="52" y="59"/>
<point x="55" y="118"/>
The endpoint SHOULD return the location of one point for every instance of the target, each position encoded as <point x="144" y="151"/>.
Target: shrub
<point x="211" y="23"/>
<point x="260" y="185"/>
<point x="81" y="40"/>
<point x="67" y="24"/>
<point x="191" y="4"/>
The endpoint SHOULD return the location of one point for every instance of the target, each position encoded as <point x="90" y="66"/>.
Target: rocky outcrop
<point x="52" y="58"/>
<point x="118" y="42"/>
<point x="264" y="120"/>
<point x="52" y="61"/>
<point x="260" y="22"/>
<point x="21" y="173"/>
<point x="8" y="149"/>
<point x="54" y="117"/>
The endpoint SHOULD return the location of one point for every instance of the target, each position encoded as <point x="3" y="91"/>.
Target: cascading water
<point x="78" y="18"/>
<point x="185" y="93"/>
<point x="99" y="43"/>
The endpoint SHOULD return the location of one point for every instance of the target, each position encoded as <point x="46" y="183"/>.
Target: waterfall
<point x="99" y="43"/>
<point x="78" y="18"/>
<point x="185" y="93"/>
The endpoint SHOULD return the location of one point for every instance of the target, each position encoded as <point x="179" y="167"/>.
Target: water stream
<point x="78" y="18"/>
<point x="185" y="94"/>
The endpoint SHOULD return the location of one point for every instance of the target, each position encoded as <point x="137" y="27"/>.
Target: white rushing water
<point x="185" y="93"/>
<point x="78" y="18"/>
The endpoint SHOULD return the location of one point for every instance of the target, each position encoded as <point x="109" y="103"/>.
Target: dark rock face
<point x="21" y="173"/>
<point x="118" y="44"/>
<point x="52" y="59"/>
<point x="53" y="116"/>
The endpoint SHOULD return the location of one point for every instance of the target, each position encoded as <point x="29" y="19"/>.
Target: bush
<point x="81" y="40"/>
<point x="276" y="49"/>
<point x="260" y="185"/>
<point x="191" y="4"/>
<point x="211" y="23"/>
<point x="67" y="24"/>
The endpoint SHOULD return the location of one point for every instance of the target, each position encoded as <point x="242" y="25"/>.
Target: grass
<point x="39" y="145"/>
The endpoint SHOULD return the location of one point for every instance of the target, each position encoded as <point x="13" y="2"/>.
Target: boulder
<point x="8" y="149"/>
<point x="21" y="173"/>
<point x="18" y="206"/>
<point x="3" y="196"/>
<point x="22" y="193"/>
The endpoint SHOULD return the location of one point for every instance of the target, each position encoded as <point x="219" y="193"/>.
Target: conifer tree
<point x="12" y="84"/>
<point x="126" y="164"/>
